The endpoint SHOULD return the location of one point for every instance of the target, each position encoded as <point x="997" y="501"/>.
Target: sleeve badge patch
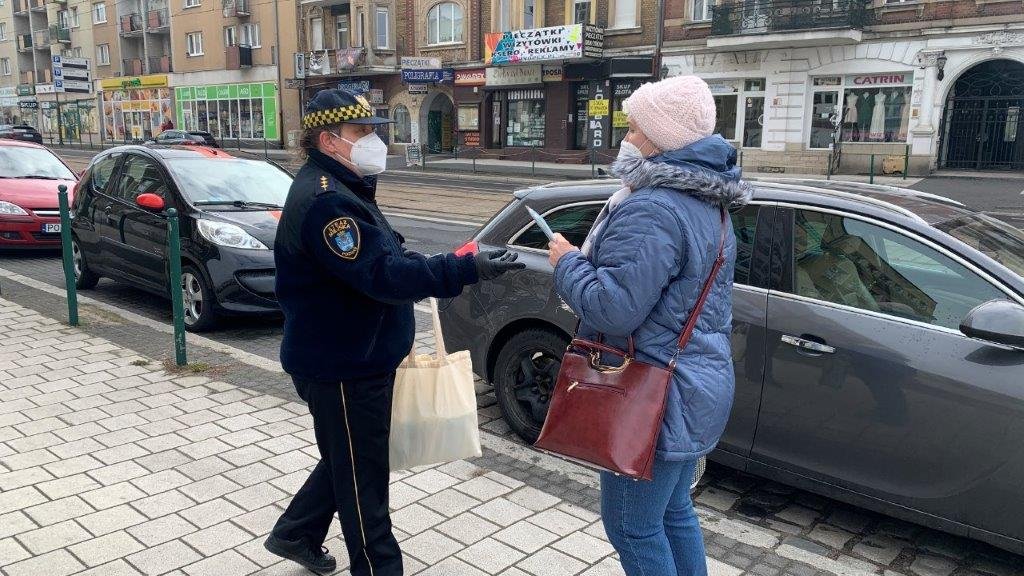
<point x="342" y="237"/>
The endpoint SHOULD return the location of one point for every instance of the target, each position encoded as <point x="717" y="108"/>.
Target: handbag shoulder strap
<point x="691" y="321"/>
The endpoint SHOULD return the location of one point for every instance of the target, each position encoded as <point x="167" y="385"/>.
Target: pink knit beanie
<point x="674" y="112"/>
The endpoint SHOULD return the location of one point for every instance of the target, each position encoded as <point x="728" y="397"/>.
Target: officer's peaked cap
<point x="336" y="106"/>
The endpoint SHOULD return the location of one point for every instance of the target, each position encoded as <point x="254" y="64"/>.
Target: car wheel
<point x="524" y="378"/>
<point x="197" y="297"/>
<point x="85" y="279"/>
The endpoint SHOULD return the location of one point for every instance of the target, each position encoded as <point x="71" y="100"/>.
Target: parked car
<point x="878" y="344"/>
<point x="185" y="137"/>
<point x="29" y="177"/>
<point x="228" y="209"/>
<point x="21" y="132"/>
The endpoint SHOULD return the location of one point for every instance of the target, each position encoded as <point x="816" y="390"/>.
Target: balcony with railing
<point x="37" y="5"/>
<point x="26" y="77"/>
<point x="160" y="65"/>
<point x="44" y="76"/>
<point x="158" y="21"/>
<point x="768" y="23"/>
<point x="238" y="57"/>
<point x="132" y="66"/>
<point x="58" y="34"/>
<point x="24" y="42"/>
<point x="236" y="8"/>
<point x="131" y="24"/>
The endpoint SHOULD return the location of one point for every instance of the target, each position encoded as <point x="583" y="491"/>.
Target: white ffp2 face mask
<point x="369" y="154"/>
<point x="629" y="151"/>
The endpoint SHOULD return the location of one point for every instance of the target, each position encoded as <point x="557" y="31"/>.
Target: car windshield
<point x="235" y="181"/>
<point x="26" y="162"/>
<point x="995" y="238"/>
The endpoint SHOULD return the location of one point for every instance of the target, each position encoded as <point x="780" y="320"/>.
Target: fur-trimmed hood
<point x="705" y="170"/>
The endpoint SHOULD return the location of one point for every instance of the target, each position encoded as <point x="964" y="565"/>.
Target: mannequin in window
<point x="878" y="117"/>
<point x="894" y="104"/>
<point x="850" y="118"/>
<point x="865" y="108"/>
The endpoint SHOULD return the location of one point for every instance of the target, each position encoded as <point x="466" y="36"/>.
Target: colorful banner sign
<point x="539" y="44"/>
<point x="132" y="82"/>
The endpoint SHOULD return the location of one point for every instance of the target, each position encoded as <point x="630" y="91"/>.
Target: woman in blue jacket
<point x="639" y="273"/>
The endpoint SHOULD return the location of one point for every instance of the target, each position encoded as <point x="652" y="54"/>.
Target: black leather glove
<point x="494" y="263"/>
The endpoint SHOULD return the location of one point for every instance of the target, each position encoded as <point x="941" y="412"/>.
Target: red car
<point x="29" y="213"/>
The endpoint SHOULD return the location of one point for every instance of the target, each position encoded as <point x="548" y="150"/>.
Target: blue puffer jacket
<point x="645" y="272"/>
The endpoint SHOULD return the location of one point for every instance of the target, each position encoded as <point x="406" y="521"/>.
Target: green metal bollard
<point x="69" y="264"/>
<point x="872" y="173"/>
<point x="906" y="162"/>
<point x="177" y="303"/>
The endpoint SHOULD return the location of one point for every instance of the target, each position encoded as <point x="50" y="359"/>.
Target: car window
<point x="26" y="162"/>
<point x="854" y="263"/>
<point x="101" y="172"/>
<point x="228" y="180"/>
<point x="573" y="222"/>
<point x="140" y="176"/>
<point x="996" y="239"/>
<point x="744" y="226"/>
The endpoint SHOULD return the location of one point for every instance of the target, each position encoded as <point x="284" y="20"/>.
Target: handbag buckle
<point x="595" y="363"/>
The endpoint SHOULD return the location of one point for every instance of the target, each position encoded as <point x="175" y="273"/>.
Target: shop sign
<point x="476" y="77"/>
<point x="472" y="139"/>
<point x="300" y="65"/>
<point x="28" y="105"/>
<point x="878" y="80"/>
<point x="25" y="90"/>
<point x="553" y="73"/>
<point x="48" y="105"/>
<point x="417" y="89"/>
<point x="375" y="96"/>
<point x="349" y="58"/>
<point x="538" y="44"/>
<point x="8" y="92"/>
<point x="415" y="63"/>
<point x="722" y="88"/>
<point x="597" y="108"/>
<point x="598" y="124"/>
<point x="423" y="76"/>
<point x="45" y="89"/>
<point x="355" y="86"/>
<point x="515" y="76"/>
<point x="620" y="119"/>
<point x="132" y="82"/>
<point x="413" y="155"/>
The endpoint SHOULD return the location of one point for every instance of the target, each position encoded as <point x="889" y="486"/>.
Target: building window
<point x="62" y="19"/>
<point x="5" y="66"/>
<point x="621" y="90"/>
<point x="251" y="35"/>
<point x="191" y="3"/>
<point x="403" y="125"/>
<point x="361" y="30"/>
<point x="195" y="43"/>
<point x="444" y="24"/>
<point x="3" y="30"/>
<point x="73" y="12"/>
<point x="739" y="108"/>
<point x="76" y="52"/>
<point x="103" y="55"/>
<point x="624" y="15"/>
<point x="230" y="36"/>
<point x="316" y="34"/>
<point x="702" y="10"/>
<point x="525" y="118"/>
<point x="529" y="14"/>
<point x="504" y="15"/>
<point x="381" y="28"/>
<point x="99" y="13"/>
<point x="863" y="108"/>
<point x="344" y="34"/>
<point x="581" y="12"/>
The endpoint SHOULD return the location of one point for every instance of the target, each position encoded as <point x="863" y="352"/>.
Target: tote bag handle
<point x="435" y="318"/>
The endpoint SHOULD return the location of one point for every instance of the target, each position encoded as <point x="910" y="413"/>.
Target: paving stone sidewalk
<point x="111" y="465"/>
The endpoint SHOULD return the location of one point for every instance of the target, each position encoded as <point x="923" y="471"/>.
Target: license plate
<point x="51" y="228"/>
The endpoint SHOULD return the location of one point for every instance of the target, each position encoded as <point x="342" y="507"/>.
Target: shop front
<point x="236" y="113"/>
<point x="429" y="105"/>
<point x="135" y="107"/>
<point x="9" y="110"/>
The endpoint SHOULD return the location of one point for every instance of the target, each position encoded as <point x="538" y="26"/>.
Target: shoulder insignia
<point x="323" y="182"/>
<point x="342" y="237"/>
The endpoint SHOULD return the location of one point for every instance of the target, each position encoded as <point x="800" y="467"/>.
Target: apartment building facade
<point x="802" y="84"/>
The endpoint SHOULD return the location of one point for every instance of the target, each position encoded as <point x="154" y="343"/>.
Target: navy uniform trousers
<point x="351" y="421"/>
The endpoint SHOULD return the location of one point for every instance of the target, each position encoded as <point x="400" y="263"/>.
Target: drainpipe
<point x="280" y="81"/>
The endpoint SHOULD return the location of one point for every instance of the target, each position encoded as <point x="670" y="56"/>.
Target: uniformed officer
<point x="347" y="288"/>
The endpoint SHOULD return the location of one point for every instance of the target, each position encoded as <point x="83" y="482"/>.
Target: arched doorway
<point x="983" y="121"/>
<point x="438" y="121"/>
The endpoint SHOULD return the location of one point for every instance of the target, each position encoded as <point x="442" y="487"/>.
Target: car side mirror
<point x="996" y="321"/>
<point x="150" y="202"/>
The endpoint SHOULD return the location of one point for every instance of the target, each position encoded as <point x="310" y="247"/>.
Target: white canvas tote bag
<point x="433" y="414"/>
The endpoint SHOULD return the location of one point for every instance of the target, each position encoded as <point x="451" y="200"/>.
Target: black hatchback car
<point x="185" y="138"/>
<point x="229" y="209"/>
<point x="22" y="132"/>
<point x="878" y="344"/>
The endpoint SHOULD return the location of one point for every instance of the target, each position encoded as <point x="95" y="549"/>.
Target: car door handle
<point x="809" y="345"/>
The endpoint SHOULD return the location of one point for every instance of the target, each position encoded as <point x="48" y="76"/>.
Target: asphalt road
<point x="1002" y="197"/>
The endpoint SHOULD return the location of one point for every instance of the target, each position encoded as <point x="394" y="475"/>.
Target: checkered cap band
<point x="334" y="116"/>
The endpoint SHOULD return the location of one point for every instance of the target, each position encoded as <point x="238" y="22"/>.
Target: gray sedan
<point x="878" y="343"/>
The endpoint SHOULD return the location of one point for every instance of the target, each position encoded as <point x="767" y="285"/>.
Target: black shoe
<point x="316" y="560"/>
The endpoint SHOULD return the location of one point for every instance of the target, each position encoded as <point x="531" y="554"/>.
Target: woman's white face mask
<point x="369" y="154"/>
<point x="629" y="151"/>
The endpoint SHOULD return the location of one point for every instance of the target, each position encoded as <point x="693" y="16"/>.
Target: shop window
<point x="381" y="27"/>
<point x="624" y="14"/>
<point x="582" y="95"/>
<point x="525" y="125"/>
<point x="702" y="10"/>
<point x="444" y="24"/>
<point x="725" y="124"/>
<point x="864" y="108"/>
<point x="403" y="125"/>
<point x="824" y="111"/>
<point x="620" y="123"/>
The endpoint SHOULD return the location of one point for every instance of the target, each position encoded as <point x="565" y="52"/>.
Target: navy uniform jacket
<point x="344" y="285"/>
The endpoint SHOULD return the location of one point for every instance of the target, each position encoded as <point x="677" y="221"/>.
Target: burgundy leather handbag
<point x="609" y="417"/>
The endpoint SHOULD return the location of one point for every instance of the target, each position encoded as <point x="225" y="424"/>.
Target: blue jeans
<point x="653" y="525"/>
